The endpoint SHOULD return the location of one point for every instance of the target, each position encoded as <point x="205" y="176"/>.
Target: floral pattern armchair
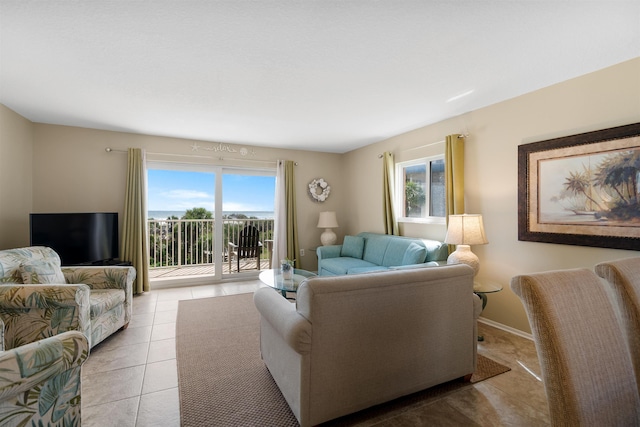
<point x="40" y="382"/>
<point x="39" y="298"/>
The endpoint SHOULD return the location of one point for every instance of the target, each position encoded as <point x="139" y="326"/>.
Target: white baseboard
<point x="506" y="328"/>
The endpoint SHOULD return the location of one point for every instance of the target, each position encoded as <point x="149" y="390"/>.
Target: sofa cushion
<point x="40" y="271"/>
<point x="375" y="247"/>
<point x="395" y="251"/>
<point x="339" y="266"/>
<point x="103" y="300"/>
<point x="414" y="254"/>
<point x="353" y="246"/>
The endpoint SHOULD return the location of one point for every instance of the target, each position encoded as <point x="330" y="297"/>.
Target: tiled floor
<point x="130" y="379"/>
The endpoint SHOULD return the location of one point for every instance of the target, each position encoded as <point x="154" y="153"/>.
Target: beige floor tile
<point x="161" y="350"/>
<point x="166" y="306"/>
<point x="128" y="336"/>
<point x="207" y="291"/>
<point x="159" y="409"/>
<point x="110" y="386"/>
<point x="240" y="288"/>
<point x="174" y="294"/>
<point x="108" y="359"/>
<point x="163" y="331"/>
<point x="144" y="303"/>
<point x="165" y="317"/>
<point x="142" y="319"/>
<point x="121" y="413"/>
<point x="160" y="376"/>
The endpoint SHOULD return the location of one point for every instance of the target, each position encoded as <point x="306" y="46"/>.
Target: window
<point x="420" y="190"/>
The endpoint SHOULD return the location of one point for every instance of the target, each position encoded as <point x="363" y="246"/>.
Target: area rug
<point x="223" y="382"/>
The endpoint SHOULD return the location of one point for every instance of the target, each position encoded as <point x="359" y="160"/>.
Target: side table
<point x="482" y="289"/>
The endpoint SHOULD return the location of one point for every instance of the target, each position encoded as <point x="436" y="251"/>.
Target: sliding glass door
<point x="197" y="214"/>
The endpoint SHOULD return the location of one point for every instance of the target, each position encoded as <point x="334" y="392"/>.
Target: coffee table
<point x="273" y="278"/>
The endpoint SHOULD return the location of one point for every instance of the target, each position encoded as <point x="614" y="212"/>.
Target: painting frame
<point x="550" y="210"/>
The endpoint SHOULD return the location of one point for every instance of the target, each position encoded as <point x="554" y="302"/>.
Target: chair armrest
<point x="283" y="317"/>
<point x="109" y="277"/>
<point x="33" y="364"/>
<point x="330" y="251"/>
<point x="34" y="312"/>
<point x="19" y="296"/>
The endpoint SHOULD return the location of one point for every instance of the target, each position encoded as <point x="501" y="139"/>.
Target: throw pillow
<point x="415" y="254"/>
<point x="41" y="272"/>
<point x="353" y="246"/>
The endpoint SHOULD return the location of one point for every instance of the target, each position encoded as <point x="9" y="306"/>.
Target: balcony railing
<point x="179" y="243"/>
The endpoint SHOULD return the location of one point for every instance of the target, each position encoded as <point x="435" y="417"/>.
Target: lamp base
<point x="328" y="237"/>
<point x="463" y="255"/>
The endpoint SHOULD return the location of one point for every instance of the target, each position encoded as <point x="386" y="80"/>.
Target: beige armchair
<point x="623" y="276"/>
<point x="586" y="367"/>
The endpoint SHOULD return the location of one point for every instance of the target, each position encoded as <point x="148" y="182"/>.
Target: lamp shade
<point x="466" y="229"/>
<point x="327" y="220"/>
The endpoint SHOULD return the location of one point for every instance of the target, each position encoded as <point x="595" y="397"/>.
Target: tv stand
<point x="108" y="263"/>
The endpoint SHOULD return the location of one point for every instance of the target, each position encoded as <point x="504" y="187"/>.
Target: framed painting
<point x="582" y="189"/>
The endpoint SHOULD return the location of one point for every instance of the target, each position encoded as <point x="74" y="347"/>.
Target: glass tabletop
<point x="486" y="288"/>
<point x="273" y="278"/>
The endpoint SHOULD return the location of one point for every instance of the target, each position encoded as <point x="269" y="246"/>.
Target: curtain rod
<point x="111" y="150"/>
<point x="426" y="145"/>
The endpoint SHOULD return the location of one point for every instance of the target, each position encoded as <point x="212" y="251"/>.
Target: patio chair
<point x="248" y="246"/>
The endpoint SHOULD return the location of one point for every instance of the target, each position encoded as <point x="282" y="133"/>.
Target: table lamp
<point x="465" y="230"/>
<point x="328" y="221"/>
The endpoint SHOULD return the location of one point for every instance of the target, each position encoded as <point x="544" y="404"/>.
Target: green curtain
<point x="390" y="223"/>
<point x="454" y="180"/>
<point x="290" y="201"/>
<point x="134" y="227"/>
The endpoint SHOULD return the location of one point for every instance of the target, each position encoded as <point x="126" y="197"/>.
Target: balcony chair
<point x="586" y="366"/>
<point x="39" y="298"/>
<point x="623" y="277"/>
<point x="40" y="381"/>
<point x="248" y="246"/>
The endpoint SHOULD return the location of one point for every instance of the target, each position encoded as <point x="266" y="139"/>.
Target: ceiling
<point x="331" y="75"/>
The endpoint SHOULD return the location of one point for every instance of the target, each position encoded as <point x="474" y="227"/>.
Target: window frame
<point x="400" y="191"/>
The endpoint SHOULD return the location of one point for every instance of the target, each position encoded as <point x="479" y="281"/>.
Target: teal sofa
<point x="369" y="252"/>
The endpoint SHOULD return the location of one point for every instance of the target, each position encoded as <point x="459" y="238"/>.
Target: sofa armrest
<point x="294" y="329"/>
<point x="33" y="364"/>
<point x="330" y="251"/>
<point x="34" y="312"/>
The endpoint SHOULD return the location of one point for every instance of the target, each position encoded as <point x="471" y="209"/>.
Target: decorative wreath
<point x="319" y="189"/>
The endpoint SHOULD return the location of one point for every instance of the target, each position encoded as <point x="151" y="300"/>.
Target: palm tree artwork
<point x="605" y="188"/>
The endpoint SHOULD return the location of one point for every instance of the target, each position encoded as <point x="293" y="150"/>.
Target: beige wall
<point x="607" y="98"/>
<point x="72" y="172"/>
<point x="16" y="142"/>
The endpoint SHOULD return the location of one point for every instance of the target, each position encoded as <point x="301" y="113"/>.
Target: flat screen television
<point x="79" y="238"/>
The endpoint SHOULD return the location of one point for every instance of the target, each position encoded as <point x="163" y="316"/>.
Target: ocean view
<point x="179" y="214"/>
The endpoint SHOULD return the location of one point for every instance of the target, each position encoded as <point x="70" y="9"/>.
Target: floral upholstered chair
<point x="40" y="382"/>
<point x="39" y="298"/>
